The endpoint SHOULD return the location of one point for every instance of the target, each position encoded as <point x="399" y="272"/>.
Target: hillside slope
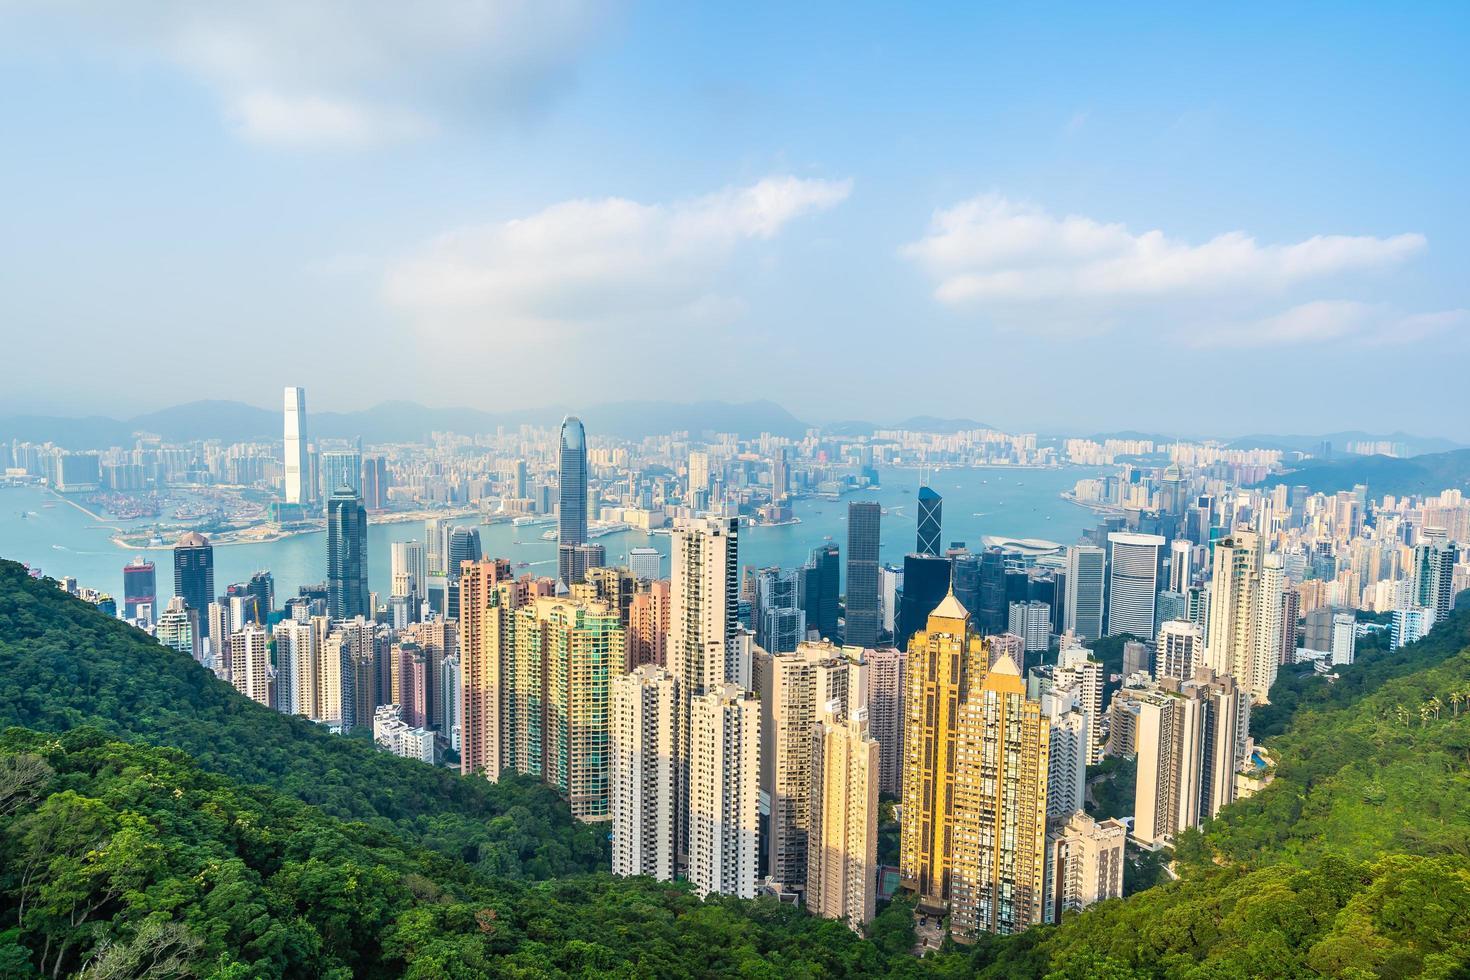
<point x="63" y="665"/>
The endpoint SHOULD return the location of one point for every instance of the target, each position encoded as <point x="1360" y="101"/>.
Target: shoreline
<point x="236" y="536"/>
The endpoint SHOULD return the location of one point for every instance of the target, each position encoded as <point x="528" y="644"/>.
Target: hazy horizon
<point x="1076" y="220"/>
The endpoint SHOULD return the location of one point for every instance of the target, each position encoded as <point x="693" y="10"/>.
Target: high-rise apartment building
<point x="583" y="647"/>
<point x="1000" y="785"/>
<point x="644" y="745"/>
<point x="571" y="515"/>
<point x="706" y="599"/>
<point x="1086" y="567"/>
<point x="780" y="621"/>
<point x="1180" y="650"/>
<point x="250" y="663"/>
<point x="1031" y="621"/>
<point x="931" y="511"/>
<point x="1244" y="637"/>
<point x="1434" y="574"/>
<point x="649" y="617"/>
<point x="178" y="629"/>
<point x="1181" y="574"/>
<point x="194" y="574"/>
<point x="794" y="689"/>
<point x="864" y="610"/>
<point x="1190" y="739"/>
<point x="842" y="840"/>
<point x="698" y="472"/>
<point x="885" y="714"/>
<point x="1133" y="582"/>
<point x="347" y="564"/>
<point x="487" y="603"/>
<point x="1070" y="745"/>
<point x="724" y="784"/>
<point x="297" y="469"/>
<point x="1077" y="670"/>
<point x="1085" y="864"/>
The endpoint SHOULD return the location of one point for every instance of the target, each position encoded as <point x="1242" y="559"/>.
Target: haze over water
<point x="1003" y="501"/>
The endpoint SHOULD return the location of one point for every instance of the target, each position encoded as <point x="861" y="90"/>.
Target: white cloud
<point x="994" y="250"/>
<point x="327" y="72"/>
<point x="1331" y="321"/>
<point x="588" y="261"/>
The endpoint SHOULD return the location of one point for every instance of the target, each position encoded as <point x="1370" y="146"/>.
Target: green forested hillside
<point x="272" y="849"/>
<point x="62" y="666"/>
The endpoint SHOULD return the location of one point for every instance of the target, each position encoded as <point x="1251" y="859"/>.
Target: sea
<point x="42" y="530"/>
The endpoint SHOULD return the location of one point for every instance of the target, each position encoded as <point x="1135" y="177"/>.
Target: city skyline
<point x="1142" y="196"/>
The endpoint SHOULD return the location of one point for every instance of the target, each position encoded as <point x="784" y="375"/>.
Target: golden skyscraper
<point x="999" y="807"/>
<point x="974" y="782"/>
<point x="941" y="657"/>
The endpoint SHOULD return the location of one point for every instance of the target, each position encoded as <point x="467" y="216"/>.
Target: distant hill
<point x="1412" y="445"/>
<point x="1427" y="474"/>
<point x="401" y="421"/>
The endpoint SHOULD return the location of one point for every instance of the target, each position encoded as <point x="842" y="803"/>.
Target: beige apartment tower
<point x="842" y="845"/>
<point x="1084" y="864"/>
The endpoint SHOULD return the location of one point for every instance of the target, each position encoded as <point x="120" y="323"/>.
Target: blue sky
<point x="1063" y="217"/>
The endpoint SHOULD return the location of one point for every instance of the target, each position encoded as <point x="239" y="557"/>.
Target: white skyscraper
<point x="644" y="782"/>
<point x="298" y="468"/>
<point x="703" y="648"/>
<point x="1133" y="585"/>
<point x="1071" y="741"/>
<point x="1086" y="567"/>
<point x="724" y="783"/>
<point x="1180" y="572"/>
<point x="842" y="849"/>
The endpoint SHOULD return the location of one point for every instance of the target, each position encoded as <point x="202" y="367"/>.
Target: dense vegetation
<point x="63" y="666"/>
<point x="1425" y="475"/>
<point x="266" y="848"/>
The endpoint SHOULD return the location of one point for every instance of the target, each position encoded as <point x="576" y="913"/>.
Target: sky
<point x="1060" y="217"/>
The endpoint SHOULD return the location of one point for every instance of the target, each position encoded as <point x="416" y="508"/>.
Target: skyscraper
<point x="571" y="517"/>
<point x="724" y="770"/>
<point x="926" y="581"/>
<point x="780" y="620"/>
<point x="410" y="574"/>
<point x="1244" y="637"/>
<point x="1434" y="573"/>
<point x="885" y="714"/>
<point x="140" y="589"/>
<point x="820" y="589"/>
<point x="942" y="658"/>
<point x="706" y="597"/>
<point x="999" y="823"/>
<point x="487" y="602"/>
<point x="375" y="483"/>
<point x="646" y="708"/>
<point x="992" y="616"/>
<point x="1181" y="650"/>
<point x="1086" y="566"/>
<point x="299" y="489"/>
<point x="864" y="611"/>
<point x="1133" y="585"/>
<point x="194" y="574"/>
<point x="794" y="689"/>
<point x="842" y="843"/>
<point x="464" y="545"/>
<point x="341" y="468"/>
<point x="347" y="565"/>
<point x="930" y="513"/>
